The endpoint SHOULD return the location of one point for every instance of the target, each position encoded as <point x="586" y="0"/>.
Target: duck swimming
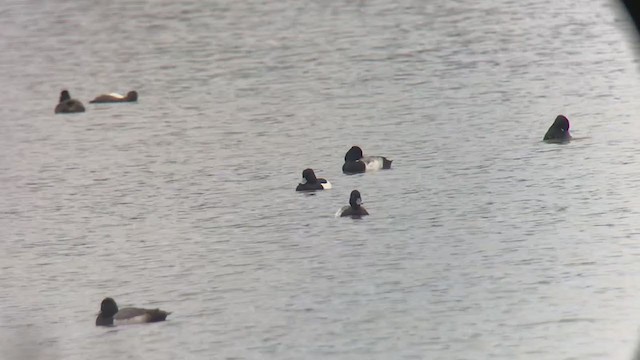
<point x="355" y="208"/>
<point x="111" y="315"/>
<point x="559" y="131"/>
<point x="355" y="162"/>
<point x="68" y="105"/>
<point x="114" y="97"/>
<point x="311" y="183"/>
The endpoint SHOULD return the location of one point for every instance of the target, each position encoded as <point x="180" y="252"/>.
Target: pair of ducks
<point x="68" y="105"/>
<point x="354" y="162"/>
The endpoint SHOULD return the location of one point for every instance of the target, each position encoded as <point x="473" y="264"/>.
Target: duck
<point x="110" y="314"/>
<point x="68" y="105"/>
<point x="558" y="131"/>
<point x="355" y="162"/>
<point x="115" y="97"/>
<point x="311" y="183"/>
<point x="355" y="208"/>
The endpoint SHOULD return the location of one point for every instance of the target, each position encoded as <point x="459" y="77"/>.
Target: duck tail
<point x="157" y="315"/>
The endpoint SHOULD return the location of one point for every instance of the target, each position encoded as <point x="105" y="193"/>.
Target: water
<point x="483" y="242"/>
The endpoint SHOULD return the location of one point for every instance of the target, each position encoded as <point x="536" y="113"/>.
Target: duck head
<point x="108" y="307"/>
<point x="64" y="96"/>
<point x="132" y="95"/>
<point x="354" y="154"/>
<point x="561" y="123"/>
<point x="355" y="200"/>
<point x="308" y="176"/>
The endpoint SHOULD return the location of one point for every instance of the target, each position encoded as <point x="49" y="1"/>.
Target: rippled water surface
<point x="483" y="242"/>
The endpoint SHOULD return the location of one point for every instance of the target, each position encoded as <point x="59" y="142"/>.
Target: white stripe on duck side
<point x="325" y="184"/>
<point x="373" y="162"/>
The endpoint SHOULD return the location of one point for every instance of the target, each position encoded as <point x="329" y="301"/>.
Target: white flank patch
<point x="326" y="185"/>
<point x="373" y="162"/>
<point x="116" y="95"/>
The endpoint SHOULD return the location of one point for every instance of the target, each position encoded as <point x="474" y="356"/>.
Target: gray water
<point x="483" y="242"/>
